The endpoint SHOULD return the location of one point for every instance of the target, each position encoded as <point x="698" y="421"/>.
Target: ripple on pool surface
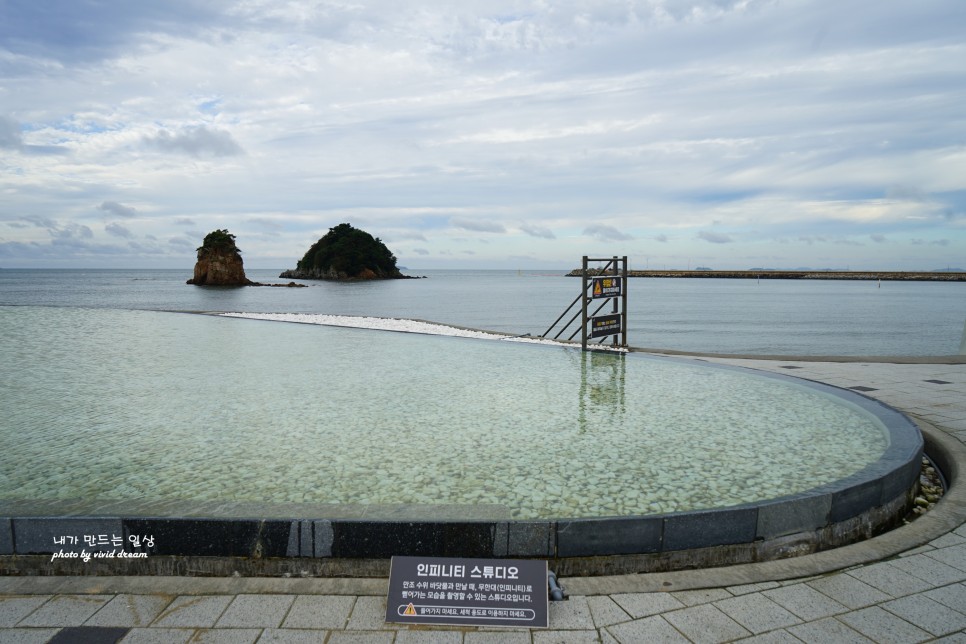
<point x="106" y="404"/>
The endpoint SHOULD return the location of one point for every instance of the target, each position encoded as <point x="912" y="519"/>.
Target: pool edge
<point x="333" y="547"/>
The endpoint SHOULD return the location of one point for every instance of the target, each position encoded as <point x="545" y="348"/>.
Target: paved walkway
<point x="911" y="596"/>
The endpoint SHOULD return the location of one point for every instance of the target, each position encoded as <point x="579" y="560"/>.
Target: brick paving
<point x="916" y="596"/>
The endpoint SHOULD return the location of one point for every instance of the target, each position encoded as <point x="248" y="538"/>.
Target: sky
<point x="727" y="134"/>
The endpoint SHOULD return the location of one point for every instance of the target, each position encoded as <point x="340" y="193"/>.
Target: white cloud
<point x="780" y="120"/>
<point x="477" y="225"/>
<point x="605" y="233"/>
<point x="115" y="208"/>
<point x="715" y="238"/>
<point x="10" y="136"/>
<point x="196" y="142"/>
<point x="538" y="231"/>
<point x="118" y="230"/>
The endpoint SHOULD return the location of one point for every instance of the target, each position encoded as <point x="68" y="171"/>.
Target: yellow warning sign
<point x="606" y="287"/>
<point x="410" y="610"/>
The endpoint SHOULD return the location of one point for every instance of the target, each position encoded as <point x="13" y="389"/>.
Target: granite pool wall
<point x="86" y="537"/>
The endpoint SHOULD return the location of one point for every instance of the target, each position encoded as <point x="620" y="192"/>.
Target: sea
<point x="731" y="316"/>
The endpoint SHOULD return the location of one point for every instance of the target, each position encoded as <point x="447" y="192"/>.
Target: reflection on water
<point x="601" y="387"/>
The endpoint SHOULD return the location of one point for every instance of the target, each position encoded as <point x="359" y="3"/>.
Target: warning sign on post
<point x="604" y="325"/>
<point x="468" y="592"/>
<point x="605" y="287"/>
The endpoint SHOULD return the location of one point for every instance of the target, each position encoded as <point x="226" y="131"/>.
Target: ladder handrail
<point x="576" y="299"/>
<point x="567" y="326"/>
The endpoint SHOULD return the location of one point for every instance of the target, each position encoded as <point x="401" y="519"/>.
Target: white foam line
<point x="394" y="324"/>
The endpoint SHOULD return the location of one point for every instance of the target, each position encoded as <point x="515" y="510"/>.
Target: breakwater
<point x="903" y="276"/>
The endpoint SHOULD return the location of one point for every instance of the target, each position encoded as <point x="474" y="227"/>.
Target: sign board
<point x="468" y="592"/>
<point x="604" y="325"/>
<point x="605" y="287"/>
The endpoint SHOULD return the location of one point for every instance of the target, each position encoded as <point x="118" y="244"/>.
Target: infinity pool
<point x="152" y="406"/>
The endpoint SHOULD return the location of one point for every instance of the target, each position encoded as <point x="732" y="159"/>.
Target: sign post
<point x="468" y="592"/>
<point x="609" y="284"/>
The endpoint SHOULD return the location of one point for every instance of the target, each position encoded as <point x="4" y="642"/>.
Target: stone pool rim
<point x="850" y="509"/>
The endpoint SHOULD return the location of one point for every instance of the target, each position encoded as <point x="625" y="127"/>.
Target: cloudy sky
<point x="486" y="133"/>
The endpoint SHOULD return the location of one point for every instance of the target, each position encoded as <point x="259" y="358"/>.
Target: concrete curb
<point x="948" y="514"/>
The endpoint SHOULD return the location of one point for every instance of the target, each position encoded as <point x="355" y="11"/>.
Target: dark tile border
<point x="613" y="536"/>
<point x="6" y="537"/>
<point x="89" y="635"/>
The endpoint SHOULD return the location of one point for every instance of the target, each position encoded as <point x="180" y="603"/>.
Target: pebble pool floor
<point x="111" y="404"/>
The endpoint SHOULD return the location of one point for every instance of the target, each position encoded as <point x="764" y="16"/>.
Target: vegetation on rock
<point x="346" y="253"/>
<point x="219" y="239"/>
<point x="219" y="262"/>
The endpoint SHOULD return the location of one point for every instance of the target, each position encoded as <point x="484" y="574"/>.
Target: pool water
<point x="144" y="405"/>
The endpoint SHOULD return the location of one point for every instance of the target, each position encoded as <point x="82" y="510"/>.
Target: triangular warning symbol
<point x="410" y="610"/>
<point x="596" y="287"/>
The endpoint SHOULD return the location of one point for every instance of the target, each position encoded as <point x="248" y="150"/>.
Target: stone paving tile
<point x="916" y="551"/>
<point x="828" y="630"/>
<point x="805" y="601"/>
<point x="565" y="637"/>
<point x="954" y="556"/>
<point x="27" y="635"/>
<point x="645" y="604"/>
<point x="293" y="636"/>
<point x="226" y="636"/>
<point x="953" y="596"/>
<point x="255" y="611"/>
<point x="429" y="637"/>
<point x="360" y="637"/>
<point x="936" y="573"/>
<point x="751" y="588"/>
<point x="319" y="611"/>
<point x="129" y="610"/>
<point x="573" y="614"/>
<point x="757" y="613"/>
<point x="158" y="636"/>
<point x="66" y="610"/>
<point x="369" y="614"/>
<point x="883" y="627"/>
<point x="14" y="609"/>
<point x="193" y="611"/>
<point x="605" y="611"/>
<point x="506" y="637"/>
<point x="955" y="638"/>
<point x="650" y="629"/>
<point x="703" y="596"/>
<point x="848" y="591"/>
<point x="799" y="580"/>
<point x="774" y="637"/>
<point x="927" y="614"/>
<point x="891" y="580"/>
<point x="706" y="624"/>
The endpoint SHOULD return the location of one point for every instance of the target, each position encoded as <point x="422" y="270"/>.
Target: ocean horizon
<point x="734" y="316"/>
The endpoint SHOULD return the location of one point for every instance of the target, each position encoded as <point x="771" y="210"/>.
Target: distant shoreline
<point x="893" y="276"/>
